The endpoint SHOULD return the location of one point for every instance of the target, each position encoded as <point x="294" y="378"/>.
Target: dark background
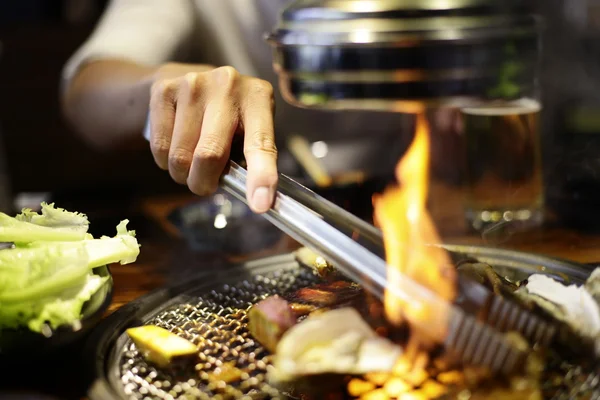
<point x="42" y="154"/>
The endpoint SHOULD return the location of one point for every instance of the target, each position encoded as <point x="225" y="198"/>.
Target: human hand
<point x="195" y="111"/>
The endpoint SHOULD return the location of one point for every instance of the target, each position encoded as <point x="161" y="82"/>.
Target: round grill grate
<point x="216" y="322"/>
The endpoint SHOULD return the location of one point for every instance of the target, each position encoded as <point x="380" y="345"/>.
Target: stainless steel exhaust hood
<point x="396" y="55"/>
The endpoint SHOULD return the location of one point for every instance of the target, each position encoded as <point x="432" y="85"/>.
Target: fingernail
<point x="262" y="199"/>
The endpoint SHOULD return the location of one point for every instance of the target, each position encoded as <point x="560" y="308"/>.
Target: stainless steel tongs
<point x="355" y="248"/>
<point x="344" y="239"/>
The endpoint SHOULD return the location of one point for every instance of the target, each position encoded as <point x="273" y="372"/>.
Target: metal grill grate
<point x="216" y="322"/>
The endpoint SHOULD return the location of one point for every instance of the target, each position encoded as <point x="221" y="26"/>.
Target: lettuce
<point x="47" y="276"/>
<point x="55" y="218"/>
<point x="123" y="248"/>
<point x="61" y="309"/>
<point x="53" y="224"/>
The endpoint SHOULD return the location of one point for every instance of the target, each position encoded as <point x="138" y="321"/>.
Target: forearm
<point x="107" y="101"/>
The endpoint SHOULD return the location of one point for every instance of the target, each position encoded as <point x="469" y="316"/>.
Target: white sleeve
<point x="149" y="32"/>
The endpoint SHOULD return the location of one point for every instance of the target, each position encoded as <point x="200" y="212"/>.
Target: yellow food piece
<point x="433" y="389"/>
<point x="358" y="387"/>
<point x="378" y="394"/>
<point x="378" y="378"/>
<point x="159" y="346"/>
<point x="395" y="386"/>
<point x="416" y="395"/>
<point x="227" y="373"/>
<point x="451" y="378"/>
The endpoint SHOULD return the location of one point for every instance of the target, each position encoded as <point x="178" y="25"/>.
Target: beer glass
<point x="503" y="175"/>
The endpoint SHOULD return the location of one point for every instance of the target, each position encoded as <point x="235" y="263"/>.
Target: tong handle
<point x="311" y="219"/>
<point x="360" y="231"/>
<point x="309" y="227"/>
<point x="294" y="213"/>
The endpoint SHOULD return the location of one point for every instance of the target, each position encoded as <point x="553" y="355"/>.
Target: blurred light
<point x="444" y="4"/>
<point x="523" y="215"/>
<point x="486" y="216"/>
<point x="320" y="149"/>
<point x="496" y="216"/>
<point x="219" y="199"/>
<point x="364" y="6"/>
<point x="31" y="200"/>
<point x="220" y="221"/>
<point x="361" y="36"/>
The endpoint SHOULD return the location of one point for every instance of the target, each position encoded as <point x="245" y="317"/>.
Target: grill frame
<point x="100" y="350"/>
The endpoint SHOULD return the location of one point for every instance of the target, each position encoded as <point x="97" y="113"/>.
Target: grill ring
<point x="186" y="309"/>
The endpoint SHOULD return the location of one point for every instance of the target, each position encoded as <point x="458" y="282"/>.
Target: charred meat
<point x="272" y="317"/>
<point x="330" y="294"/>
<point x="269" y="319"/>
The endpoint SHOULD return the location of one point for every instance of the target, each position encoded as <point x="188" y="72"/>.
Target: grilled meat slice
<point x="273" y="316"/>
<point x="302" y="310"/>
<point x="315" y="296"/>
<point x="269" y="319"/>
<point x="330" y="294"/>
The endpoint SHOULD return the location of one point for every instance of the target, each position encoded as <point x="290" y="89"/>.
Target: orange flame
<point x="408" y="230"/>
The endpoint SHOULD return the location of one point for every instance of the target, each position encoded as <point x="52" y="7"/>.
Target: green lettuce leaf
<point x="123" y="248"/>
<point x="61" y="309"/>
<point x="16" y="231"/>
<point x="46" y="278"/>
<point x="41" y="270"/>
<point x="53" y="217"/>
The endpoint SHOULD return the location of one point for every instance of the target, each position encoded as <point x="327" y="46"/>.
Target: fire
<point x="408" y="230"/>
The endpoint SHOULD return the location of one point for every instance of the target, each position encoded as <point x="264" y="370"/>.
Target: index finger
<point x="259" y="146"/>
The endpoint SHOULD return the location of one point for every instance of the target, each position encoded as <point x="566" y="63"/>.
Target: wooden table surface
<point x="161" y="258"/>
<point x="166" y="258"/>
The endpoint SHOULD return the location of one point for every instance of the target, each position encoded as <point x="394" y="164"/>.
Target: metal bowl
<point x="222" y="223"/>
<point x="397" y="54"/>
<point x="210" y="309"/>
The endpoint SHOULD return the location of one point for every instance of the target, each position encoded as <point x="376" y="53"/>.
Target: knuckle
<point x="180" y="160"/>
<point x="162" y="91"/>
<point x="212" y="152"/>
<point x="193" y="84"/>
<point x="262" y="141"/>
<point x="159" y="147"/>
<point x="261" y="88"/>
<point x="226" y="78"/>
<point x="203" y="189"/>
<point x="229" y="73"/>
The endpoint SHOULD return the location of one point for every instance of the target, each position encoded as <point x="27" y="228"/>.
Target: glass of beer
<point x="503" y="176"/>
